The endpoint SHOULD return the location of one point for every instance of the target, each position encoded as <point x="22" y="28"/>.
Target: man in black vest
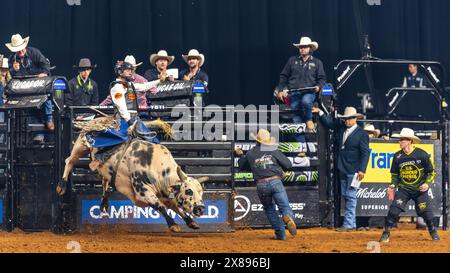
<point x="353" y="157"/>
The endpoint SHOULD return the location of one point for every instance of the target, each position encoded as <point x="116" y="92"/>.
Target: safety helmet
<point x="120" y="67"/>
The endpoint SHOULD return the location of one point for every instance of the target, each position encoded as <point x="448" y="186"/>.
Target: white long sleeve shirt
<point x="118" y="92"/>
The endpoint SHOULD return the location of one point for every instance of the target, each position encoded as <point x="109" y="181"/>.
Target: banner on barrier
<point x="298" y="178"/>
<point x="122" y="212"/>
<point x="249" y="212"/>
<point x="373" y="200"/>
<point x="125" y="212"/>
<point x="284" y="147"/>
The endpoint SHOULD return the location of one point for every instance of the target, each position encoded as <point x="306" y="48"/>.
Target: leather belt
<point x="268" y="178"/>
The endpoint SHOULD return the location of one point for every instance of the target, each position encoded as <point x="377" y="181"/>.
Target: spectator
<point x="83" y="90"/>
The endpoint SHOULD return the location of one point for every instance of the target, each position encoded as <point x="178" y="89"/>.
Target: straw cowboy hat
<point x="17" y="43"/>
<point x="407" y="133"/>
<point x="350" y="112"/>
<point x="161" y="54"/>
<point x="264" y="137"/>
<point x="84" y="63"/>
<point x="130" y="59"/>
<point x="306" y="41"/>
<point x="5" y="63"/>
<point x="370" y="129"/>
<point x="194" y="53"/>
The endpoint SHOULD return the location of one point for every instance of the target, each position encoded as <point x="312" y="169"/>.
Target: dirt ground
<point x="316" y="240"/>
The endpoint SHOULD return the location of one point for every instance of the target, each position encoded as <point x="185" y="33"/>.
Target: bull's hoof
<point x="194" y="225"/>
<point x="175" y="228"/>
<point x="61" y="187"/>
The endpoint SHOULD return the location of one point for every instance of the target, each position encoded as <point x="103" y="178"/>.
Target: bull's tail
<point x="164" y="126"/>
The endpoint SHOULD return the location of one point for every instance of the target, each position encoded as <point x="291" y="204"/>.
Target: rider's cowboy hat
<point x="161" y="54"/>
<point x="84" y="63"/>
<point x="130" y="59"/>
<point x="350" y="112"/>
<point x="194" y="53"/>
<point x="306" y="41"/>
<point x="17" y="43"/>
<point x="370" y="129"/>
<point x="264" y="137"/>
<point x="409" y="134"/>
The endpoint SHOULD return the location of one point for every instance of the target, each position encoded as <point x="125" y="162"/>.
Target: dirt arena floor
<point x="317" y="240"/>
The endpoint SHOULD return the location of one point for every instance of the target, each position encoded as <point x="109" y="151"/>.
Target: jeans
<point x="349" y="195"/>
<point x="272" y="193"/>
<point x="44" y="114"/>
<point x="303" y="104"/>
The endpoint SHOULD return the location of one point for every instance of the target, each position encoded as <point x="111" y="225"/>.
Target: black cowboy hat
<point x="84" y="63"/>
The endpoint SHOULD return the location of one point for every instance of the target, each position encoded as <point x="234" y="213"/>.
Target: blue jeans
<point x="302" y="104"/>
<point x="45" y="114"/>
<point x="349" y="195"/>
<point x="271" y="193"/>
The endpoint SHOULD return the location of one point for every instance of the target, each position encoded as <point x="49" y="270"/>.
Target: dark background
<point x="246" y="42"/>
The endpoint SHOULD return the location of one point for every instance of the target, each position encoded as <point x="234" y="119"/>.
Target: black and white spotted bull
<point x="148" y="175"/>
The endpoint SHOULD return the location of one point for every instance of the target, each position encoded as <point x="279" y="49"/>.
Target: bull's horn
<point x="202" y="179"/>
<point x="183" y="177"/>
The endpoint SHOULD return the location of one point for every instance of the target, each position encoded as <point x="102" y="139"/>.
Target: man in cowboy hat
<point x="29" y="61"/>
<point x="26" y="60"/>
<point x="194" y="60"/>
<point x="83" y="90"/>
<point x="352" y="158"/>
<point x="136" y="78"/>
<point x="412" y="174"/>
<point x="160" y="61"/>
<point x="267" y="164"/>
<point x="302" y="71"/>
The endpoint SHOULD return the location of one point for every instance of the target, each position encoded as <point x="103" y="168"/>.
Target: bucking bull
<point x="144" y="172"/>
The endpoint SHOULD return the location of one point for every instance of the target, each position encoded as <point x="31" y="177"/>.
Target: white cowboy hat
<point x="194" y="53"/>
<point x="407" y="133"/>
<point x="350" y="112"/>
<point x="369" y="128"/>
<point x="17" y="43"/>
<point x="306" y="41"/>
<point x="264" y="137"/>
<point x="5" y="63"/>
<point x="130" y="59"/>
<point x="161" y="54"/>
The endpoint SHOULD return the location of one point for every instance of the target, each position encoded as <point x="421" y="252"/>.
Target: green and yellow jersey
<point x="410" y="171"/>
